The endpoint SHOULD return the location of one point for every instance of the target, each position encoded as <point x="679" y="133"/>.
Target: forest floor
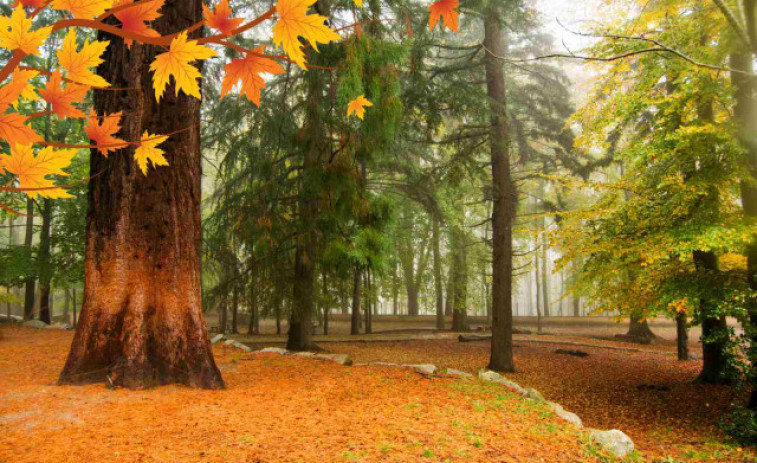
<point x="294" y="409"/>
<point x="276" y="408"/>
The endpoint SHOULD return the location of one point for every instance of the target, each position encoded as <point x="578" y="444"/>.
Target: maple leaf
<point x="19" y="86"/>
<point x="16" y="33"/>
<point x="148" y="151"/>
<point x="221" y="18"/>
<point x="248" y="70"/>
<point x="78" y="63"/>
<point x="175" y="62"/>
<point x="134" y="18"/>
<point x="359" y="3"/>
<point x="294" y="22"/>
<point x="358" y="106"/>
<point x="13" y="129"/>
<point x="32" y="170"/>
<point x="445" y="10"/>
<point x="34" y="4"/>
<point x="60" y="98"/>
<point x="83" y="9"/>
<point x="102" y="133"/>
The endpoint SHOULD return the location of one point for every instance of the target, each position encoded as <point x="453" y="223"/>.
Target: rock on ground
<point x="425" y="368"/>
<point x="458" y="373"/>
<point x="495" y="377"/>
<point x="613" y="441"/>
<point x="570" y="417"/>
<point x="217" y="338"/>
<point x="272" y="350"/>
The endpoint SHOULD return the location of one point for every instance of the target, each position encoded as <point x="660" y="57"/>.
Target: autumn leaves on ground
<point x="284" y="408"/>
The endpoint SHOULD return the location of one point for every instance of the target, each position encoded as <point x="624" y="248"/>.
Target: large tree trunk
<point x="638" y="331"/>
<point x="28" y="238"/>
<point x="141" y="322"/>
<point x="254" y="326"/>
<point x="505" y="198"/>
<point x="412" y="299"/>
<point x="45" y="270"/>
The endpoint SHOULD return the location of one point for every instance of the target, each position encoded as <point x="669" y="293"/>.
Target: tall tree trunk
<point x="714" y="328"/>
<point x="73" y="305"/>
<point x="395" y="290"/>
<point x="368" y="301"/>
<point x="29" y="284"/>
<point x="356" y="296"/>
<point x="235" y="298"/>
<point x="460" y="309"/>
<point x="545" y="270"/>
<point x="639" y="331"/>
<point x="746" y="116"/>
<point x="326" y="305"/>
<point x="254" y="327"/>
<point x="449" y="301"/>
<point x="223" y="323"/>
<point x="11" y="243"/>
<point x="66" y="305"/>
<point x="45" y="270"/>
<point x="505" y="198"/>
<point x="682" y="336"/>
<point x="141" y="322"/>
<point x="412" y="299"/>
<point x="438" y="283"/>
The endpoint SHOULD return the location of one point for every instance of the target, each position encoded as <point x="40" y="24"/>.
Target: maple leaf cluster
<point x="68" y="85"/>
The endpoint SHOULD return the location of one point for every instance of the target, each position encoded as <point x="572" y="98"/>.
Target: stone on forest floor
<point x="384" y="364"/>
<point x="35" y="324"/>
<point x="237" y="344"/>
<point x="570" y="417"/>
<point x="458" y="373"/>
<point x="613" y="441"/>
<point x="493" y="376"/>
<point x="533" y="394"/>
<point x="272" y="350"/>
<point x="217" y="338"/>
<point x="575" y="353"/>
<point x="341" y="359"/>
<point x="425" y="368"/>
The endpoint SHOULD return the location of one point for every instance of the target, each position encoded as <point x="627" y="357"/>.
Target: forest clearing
<point x="378" y="230"/>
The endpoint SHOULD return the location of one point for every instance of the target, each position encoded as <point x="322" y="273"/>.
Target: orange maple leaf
<point x="134" y="18"/>
<point x="32" y="171"/>
<point x="445" y="10"/>
<point x="248" y="70"/>
<point x="13" y="129"/>
<point x="61" y="98"/>
<point x="17" y="87"/>
<point x="221" y="18"/>
<point x="357" y="106"/>
<point x="102" y="132"/>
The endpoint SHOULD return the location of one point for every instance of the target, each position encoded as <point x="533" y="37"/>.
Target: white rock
<point x="493" y="376"/>
<point x="384" y="364"/>
<point x="424" y="368"/>
<point x="570" y="417"/>
<point x="458" y="373"/>
<point x="304" y="354"/>
<point x="272" y="350"/>
<point x="614" y="441"/>
<point x="217" y="338"/>
<point x="341" y="359"/>
<point x="533" y="394"/>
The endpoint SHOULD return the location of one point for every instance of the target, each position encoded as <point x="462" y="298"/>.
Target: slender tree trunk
<point x="538" y="285"/>
<point x="714" y="329"/>
<point x="682" y="336"/>
<point x="29" y="237"/>
<point x="45" y="270"/>
<point x="326" y="307"/>
<point x="438" y="283"/>
<point x="356" y="296"/>
<point x="66" y="305"/>
<point x="449" y="301"/>
<point x="141" y="322"/>
<point x="395" y="291"/>
<point x="223" y="316"/>
<point x="505" y="198"/>
<point x="11" y="244"/>
<point x="460" y="309"/>
<point x="254" y="327"/>
<point x="368" y="301"/>
<point x="235" y="298"/>
<point x="545" y="271"/>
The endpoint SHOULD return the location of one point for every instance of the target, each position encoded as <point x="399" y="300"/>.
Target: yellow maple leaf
<point x="13" y="129"/>
<point x="32" y="170"/>
<point x="175" y="62"/>
<point x="16" y="33"/>
<point x="294" y="22"/>
<point x="358" y="3"/>
<point x="148" y="151"/>
<point x="83" y="9"/>
<point x="357" y="106"/>
<point x="78" y="63"/>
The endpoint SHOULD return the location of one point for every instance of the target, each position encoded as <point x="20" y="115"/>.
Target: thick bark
<point x="714" y="329"/>
<point x="45" y="270"/>
<point x="639" y="331"/>
<point x="682" y="336"/>
<point x="29" y="284"/>
<point x="505" y="198"/>
<point x="141" y="322"/>
<point x="438" y="283"/>
<point x="355" y="321"/>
